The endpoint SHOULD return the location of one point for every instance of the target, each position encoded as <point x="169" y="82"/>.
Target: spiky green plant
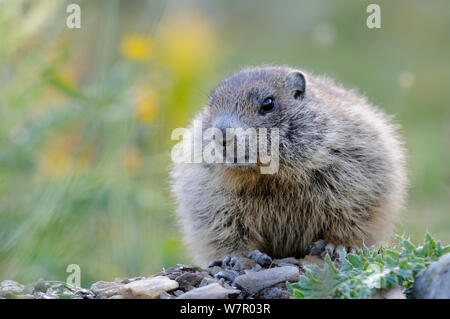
<point x="359" y="276"/>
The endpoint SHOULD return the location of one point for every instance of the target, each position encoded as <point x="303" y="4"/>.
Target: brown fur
<point x="341" y="176"/>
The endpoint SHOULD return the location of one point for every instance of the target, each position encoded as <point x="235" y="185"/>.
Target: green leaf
<point x="360" y="275"/>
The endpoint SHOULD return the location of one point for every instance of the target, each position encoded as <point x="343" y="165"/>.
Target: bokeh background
<point x="86" y="114"/>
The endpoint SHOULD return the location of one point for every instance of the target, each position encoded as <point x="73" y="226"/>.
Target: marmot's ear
<point x="296" y="82"/>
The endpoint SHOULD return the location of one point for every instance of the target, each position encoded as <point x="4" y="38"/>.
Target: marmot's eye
<point x="267" y="105"/>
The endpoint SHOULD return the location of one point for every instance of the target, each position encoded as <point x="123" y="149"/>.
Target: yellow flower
<point x="187" y="43"/>
<point x="146" y="107"/>
<point x="62" y="156"/>
<point x="136" y="47"/>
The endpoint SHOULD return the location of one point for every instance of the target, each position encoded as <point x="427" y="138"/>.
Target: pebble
<point x="104" y="289"/>
<point x="213" y="291"/>
<point x="229" y="275"/>
<point x="434" y="282"/>
<point x="189" y="279"/>
<point x="149" y="288"/>
<point x="253" y="282"/>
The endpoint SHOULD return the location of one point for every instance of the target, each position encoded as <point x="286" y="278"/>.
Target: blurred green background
<point x="86" y="114"/>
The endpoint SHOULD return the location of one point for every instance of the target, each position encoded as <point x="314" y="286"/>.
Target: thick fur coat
<point x="341" y="174"/>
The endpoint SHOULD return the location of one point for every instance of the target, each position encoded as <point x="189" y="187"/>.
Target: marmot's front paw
<point x="321" y="248"/>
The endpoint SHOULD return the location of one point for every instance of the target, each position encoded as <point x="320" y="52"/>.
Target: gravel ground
<point x="234" y="277"/>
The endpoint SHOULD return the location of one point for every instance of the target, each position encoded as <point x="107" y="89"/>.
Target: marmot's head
<point x="256" y="97"/>
<point x="266" y="97"/>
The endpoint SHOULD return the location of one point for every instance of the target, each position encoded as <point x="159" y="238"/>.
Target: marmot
<point x="341" y="175"/>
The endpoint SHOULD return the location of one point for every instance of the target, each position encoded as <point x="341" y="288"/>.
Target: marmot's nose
<point x="223" y="122"/>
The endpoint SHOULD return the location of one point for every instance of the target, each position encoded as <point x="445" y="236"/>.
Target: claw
<point x="322" y="248"/>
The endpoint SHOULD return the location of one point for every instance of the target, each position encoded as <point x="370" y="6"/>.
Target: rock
<point x="40" y="286"/>
<point x="287" y="261"/>
<point x="229" y="275"/>
<point x="149" y="288"/>
<point x="233" y="293"/>
<point x="434" y="282"/>
<point x="214" y="270"/>
<point x="278" y="291"/>
<point x="165" y="295"/>
<point x="394" y="292"/>
<point x="189" y="267"/>
<point x="173" y="275"/>
<point x="206" y="281"/>
<point x="215" y="263"/>
<point x="104" y="289"/>
<point x="127" y="281"/>
<point x="242" y="263"/>
<point x="41" y="295"/>
<point x="311" y="260"/>
<point x="213" y="291"/>
<point x="82" y="293"/>
<point x="189" y="279"/>
<point x="261" y="258"/>
<point x="178" y="293"/>
<point x="10" y="288"/>
<point x="257" y="267"/>
<point x="253" y="282"/>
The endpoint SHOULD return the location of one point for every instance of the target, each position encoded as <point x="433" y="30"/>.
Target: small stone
<point x="213" y="291"/>
<point x="174" y="274"/>
<point x="10" y="288"/>
<point x="149" y="288"/>
<point x="189" y="279"/>
<point x="274" y="293"/>
<point x="178" y="293"/>
<point x="165" y="295"/>
<point x="253" y="282"/>
<point x="242" y="263"/>
<point x="233" y="293"/>
<point x="41" y="295"/>
<point x="116" y="297"/>
<point x="261" y="258"/>
<point x="189" y="267"/>
<point x="104" y="289"/>
<point x="206" y="281"/>
<point x="214" y="270"/>
<point x="434" y="282"/>
<point x="40" y="286"/>
<point x="287" y="261"/>
<point x="229" y="275"/>
<point x="394" y="292"/>
<point x="257" y="267"/>
<point x="215" y="263"/>
<point x="189" y="287"/>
